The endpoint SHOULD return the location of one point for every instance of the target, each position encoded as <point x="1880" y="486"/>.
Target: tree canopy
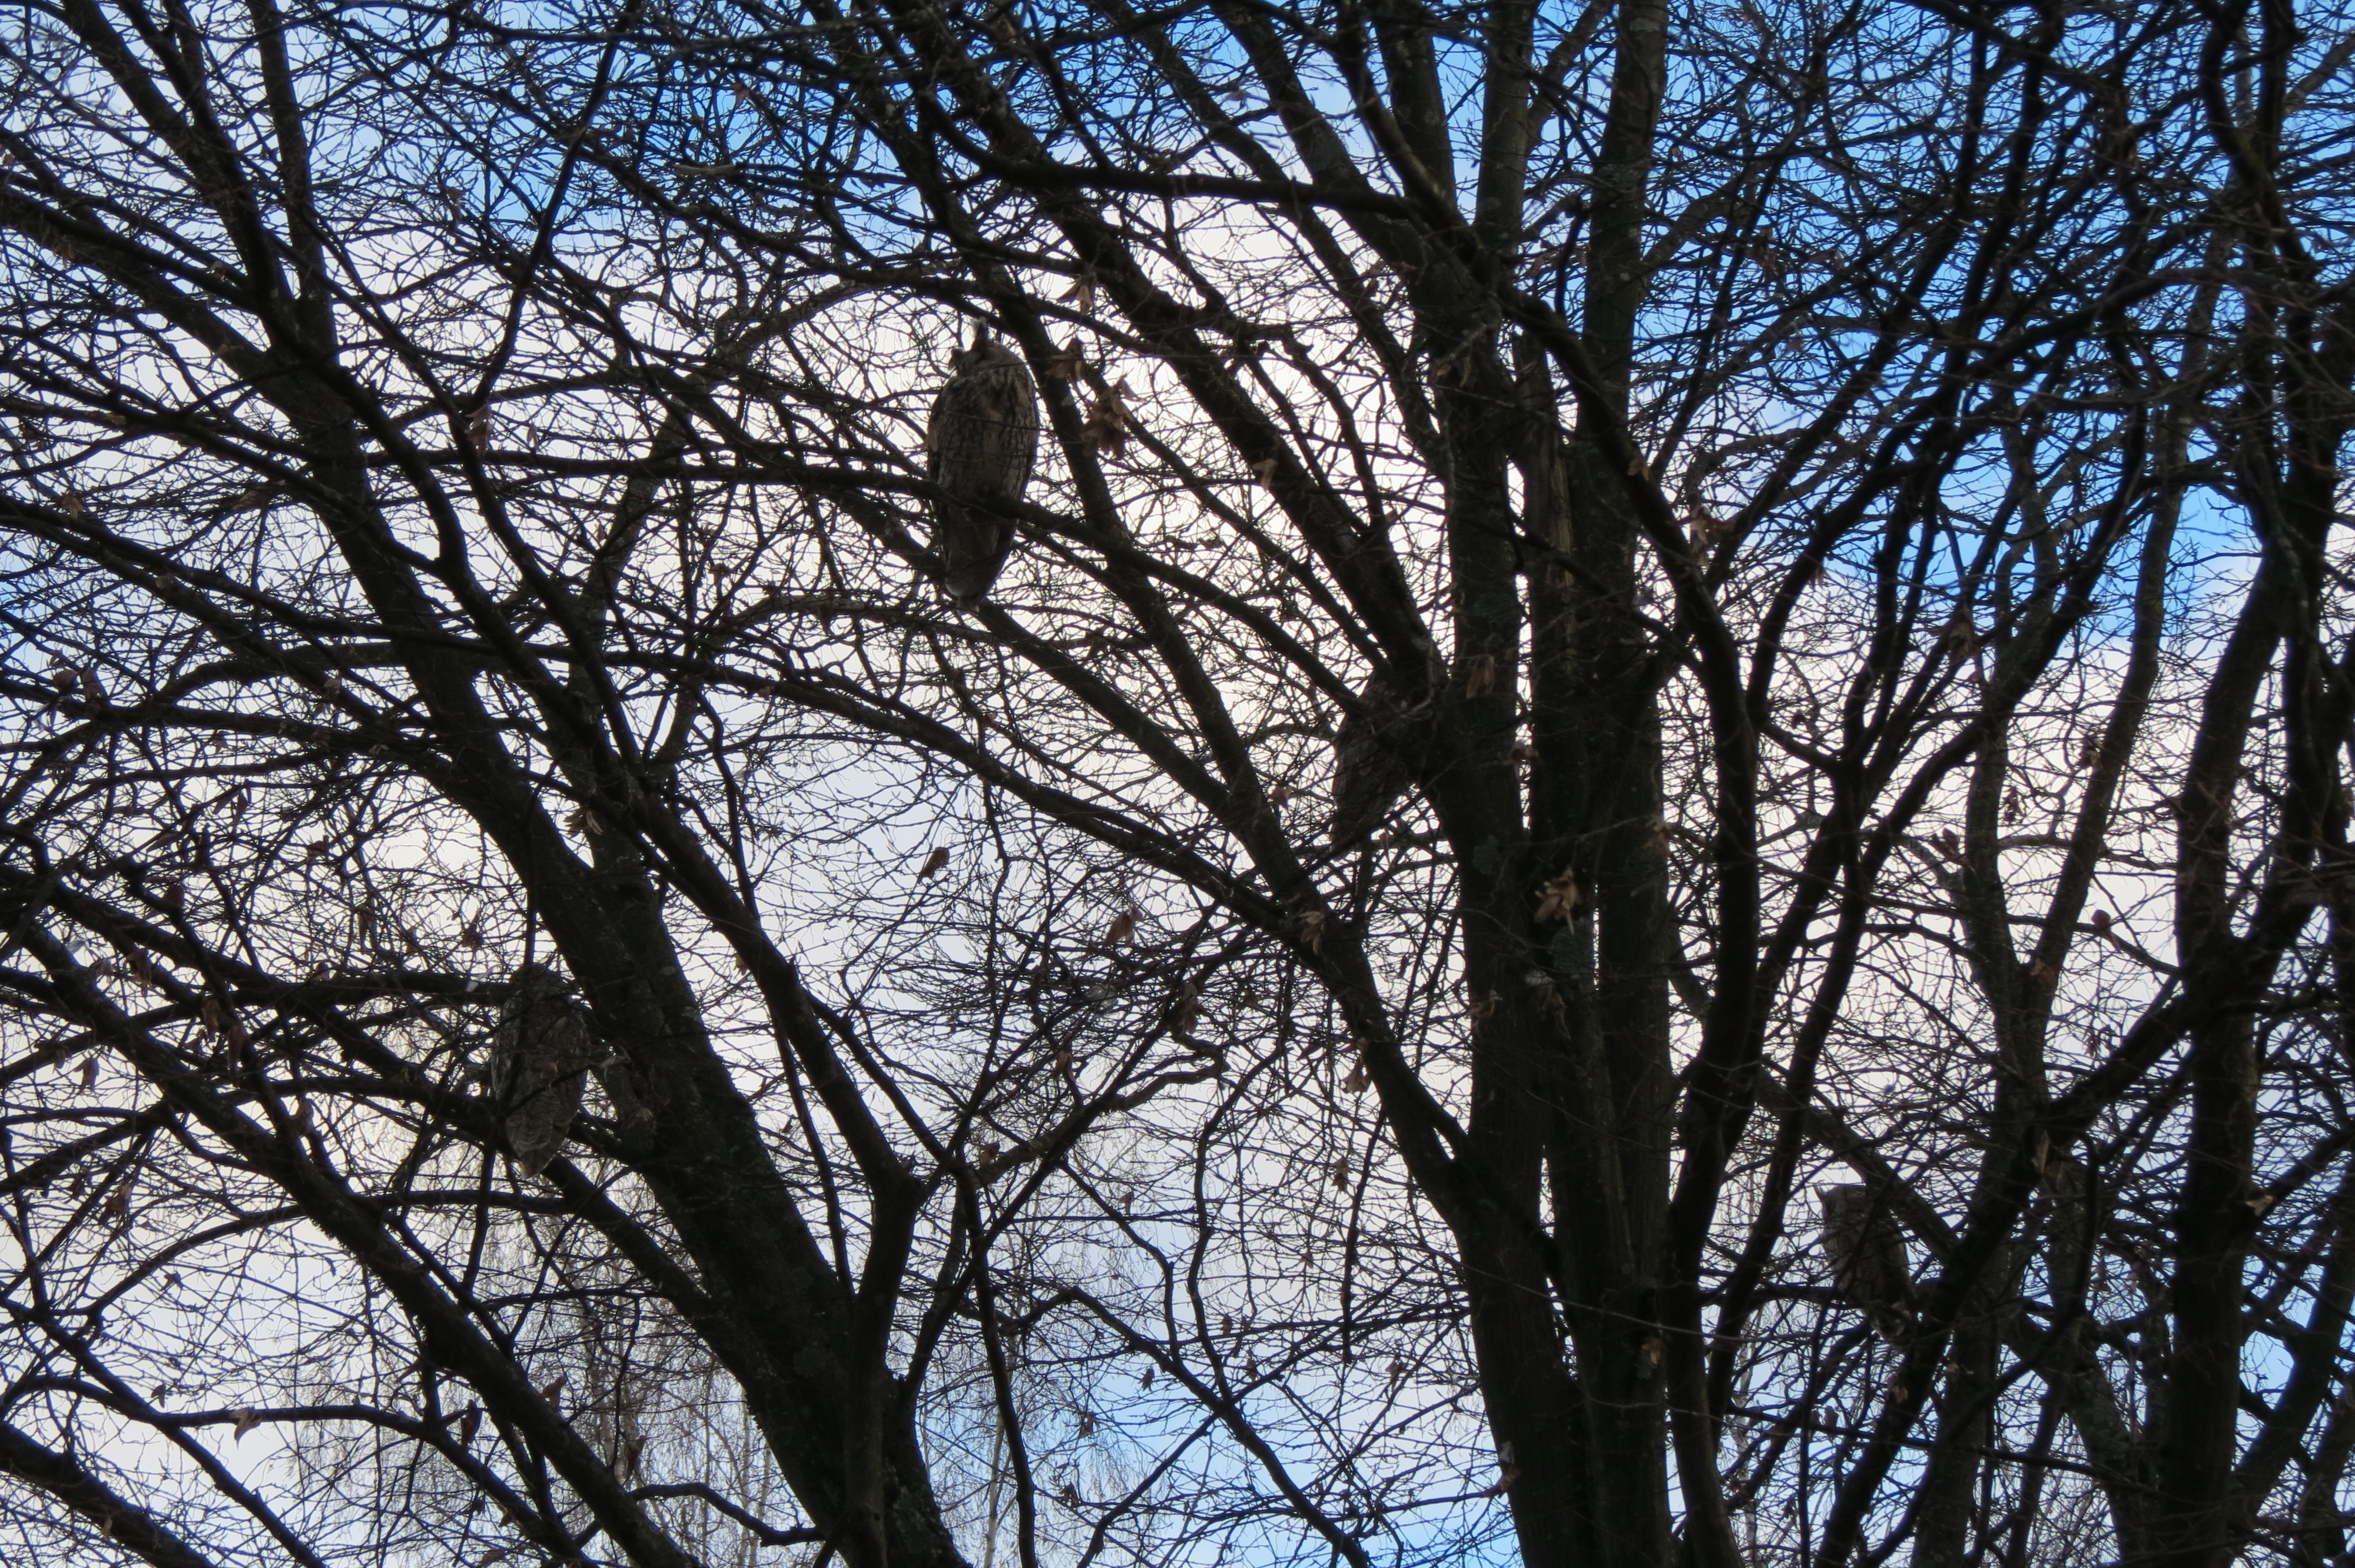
<point x="1645" y="860"/>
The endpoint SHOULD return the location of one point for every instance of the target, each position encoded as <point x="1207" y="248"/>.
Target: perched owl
<point x="2068" y="1188"/>
<point x="1865" y="1249"/>
<point x="1377" y="753"/>
<point x="981" y="442"/>
<point x="542" y="1051"/>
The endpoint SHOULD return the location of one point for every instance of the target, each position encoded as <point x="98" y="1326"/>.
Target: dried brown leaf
<point x="1558" y="897"/>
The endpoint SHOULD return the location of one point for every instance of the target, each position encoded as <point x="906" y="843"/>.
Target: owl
<point x="1376" y="754"/>
<point x="540" y="1053"/>
<point x="981" y="444"/>
<point x="1865" y="1249"/>
<point x="2068" y="1188"/>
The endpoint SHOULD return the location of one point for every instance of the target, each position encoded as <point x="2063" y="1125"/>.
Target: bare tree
<point x="1622" y="614"/>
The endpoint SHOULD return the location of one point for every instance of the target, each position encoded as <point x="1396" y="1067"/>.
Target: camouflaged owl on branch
<point x="540" y="1056"/>
<point x="981" y="445"/>
<point x="1866" y="1248"/>
<point x="1378" y="753"/>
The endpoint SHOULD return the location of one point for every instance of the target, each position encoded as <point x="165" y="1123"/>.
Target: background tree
<point x="1831" y="510"/>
